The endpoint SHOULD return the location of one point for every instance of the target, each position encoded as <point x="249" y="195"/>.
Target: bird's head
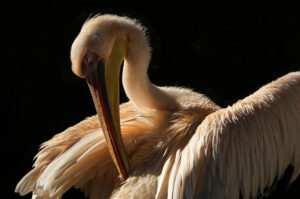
<point x="97" y="55"/>
<point x="94" y="44"/>
<point x="98" y="43"/>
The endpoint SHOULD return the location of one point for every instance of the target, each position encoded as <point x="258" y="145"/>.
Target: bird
<point x="165" y="142"/>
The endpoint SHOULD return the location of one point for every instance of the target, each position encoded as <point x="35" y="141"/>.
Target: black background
<point x="224" y="51"/>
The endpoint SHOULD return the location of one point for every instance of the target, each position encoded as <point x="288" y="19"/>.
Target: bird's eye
<point x="88" y="59"/>
<point x="89" y="63"/>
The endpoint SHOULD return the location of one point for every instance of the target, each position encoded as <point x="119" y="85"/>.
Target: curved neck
<point x="136" y="82"/>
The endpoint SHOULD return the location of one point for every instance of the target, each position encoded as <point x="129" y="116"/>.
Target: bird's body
<point x="179" y="143"/>
<point x="144" y="131"/>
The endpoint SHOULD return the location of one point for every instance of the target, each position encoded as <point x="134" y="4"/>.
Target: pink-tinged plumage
<point x="180" y="144"/>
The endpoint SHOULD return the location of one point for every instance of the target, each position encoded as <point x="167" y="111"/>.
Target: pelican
<point x="166" y="142"/>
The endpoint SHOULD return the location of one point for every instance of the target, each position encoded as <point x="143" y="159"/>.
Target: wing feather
<point x="245" y="147"/>
<point x="251" y="143"/>
<point x="79" y="157"/>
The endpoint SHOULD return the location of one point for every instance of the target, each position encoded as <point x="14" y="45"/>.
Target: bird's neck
<point x="136" y="82"/>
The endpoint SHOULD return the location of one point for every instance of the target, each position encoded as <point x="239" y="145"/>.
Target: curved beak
<point x="104" y="87"/>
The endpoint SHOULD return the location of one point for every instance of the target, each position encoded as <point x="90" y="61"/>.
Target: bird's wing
<point x="79" y="157"/>
<point x="240" y="149"/>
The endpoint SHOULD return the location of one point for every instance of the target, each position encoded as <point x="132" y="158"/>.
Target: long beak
<point x="104" y="87"/>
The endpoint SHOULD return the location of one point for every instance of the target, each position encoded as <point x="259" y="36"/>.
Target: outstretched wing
<point x="79" y="157"/>
<point x="242" y="148"/>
